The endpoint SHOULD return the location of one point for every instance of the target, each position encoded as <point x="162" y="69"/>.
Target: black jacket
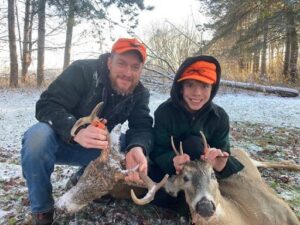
<point x="84" y="84"/>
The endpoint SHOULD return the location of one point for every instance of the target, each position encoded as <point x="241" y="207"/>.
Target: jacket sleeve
<point x="221" y="141"/>
<point x="56" y="103"/>
<point x="162" y="154"/>
<point x="140" y="132"/>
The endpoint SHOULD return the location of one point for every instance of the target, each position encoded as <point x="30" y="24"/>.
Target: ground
<point x="274" y="139"/>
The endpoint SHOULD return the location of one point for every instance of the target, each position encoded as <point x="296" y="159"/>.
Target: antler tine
<point x="180" y="148"/>
<point x="204" y="142"/>
<point x="87" y="119"/>
<point x="152" y="189"/>
<point x="173" y="146"/>
<point x="96" y="110"/>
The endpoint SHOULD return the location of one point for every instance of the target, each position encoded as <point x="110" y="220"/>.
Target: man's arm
<point x="56" y="103"/>
<point x="139" y="137"/>
<point x="140" y="132"/>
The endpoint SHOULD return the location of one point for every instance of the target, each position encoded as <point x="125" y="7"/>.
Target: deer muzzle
<point x="205" y="207"/>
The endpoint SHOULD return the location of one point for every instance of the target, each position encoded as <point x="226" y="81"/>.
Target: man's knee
<point x="37" y="139"/>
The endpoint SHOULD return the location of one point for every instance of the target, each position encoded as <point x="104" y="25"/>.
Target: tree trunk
<point x="263" y="71"/>
<point x="41" y="42"/>
<point x="294" y="51"/>
<point x="26" y="59"/>
<point x="13" y="81"/>
<point x="281" y="91"/>
<point x="70" y="25"/>
<point x="255" y="61"/>
<point x="287" y="53"/>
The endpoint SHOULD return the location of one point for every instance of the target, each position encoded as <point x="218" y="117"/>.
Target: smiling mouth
<point x="195" y="100"/>
<point x="124" y="78"/>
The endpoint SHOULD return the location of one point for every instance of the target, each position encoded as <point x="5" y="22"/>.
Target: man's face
<point x="125" y="71"/>
<point x="195" y="94"/>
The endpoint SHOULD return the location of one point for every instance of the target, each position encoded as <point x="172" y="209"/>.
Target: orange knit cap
<point x="128" y="44"/>
<point x="202" y="71"/>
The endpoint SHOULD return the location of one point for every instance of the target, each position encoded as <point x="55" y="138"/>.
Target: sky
<point x="178" y="12"/>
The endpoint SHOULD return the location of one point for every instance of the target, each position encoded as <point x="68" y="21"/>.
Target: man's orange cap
<point x="202" y="71"/>
<point x="129" y="44"/>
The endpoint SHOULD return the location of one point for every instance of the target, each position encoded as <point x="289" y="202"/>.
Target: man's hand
<point x="216" y="158"/>
<point x="92" y="137"/>
<point x="133" y="158"/>
<point x="179" y="162"/>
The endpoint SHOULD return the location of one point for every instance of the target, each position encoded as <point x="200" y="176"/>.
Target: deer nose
<point x="205" y="207"/>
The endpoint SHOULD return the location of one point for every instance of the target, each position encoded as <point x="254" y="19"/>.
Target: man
<point x="113" y="79"/>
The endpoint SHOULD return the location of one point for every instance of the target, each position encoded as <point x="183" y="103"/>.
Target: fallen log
<point x="280" y="91"/>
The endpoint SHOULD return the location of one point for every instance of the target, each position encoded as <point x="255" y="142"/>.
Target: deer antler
<point x="152" y="189"/>
<point x="174" y="148"/>
<point x="87" y="119"/>
<point x="95" y="121"/>
<point x="205" y="145"/>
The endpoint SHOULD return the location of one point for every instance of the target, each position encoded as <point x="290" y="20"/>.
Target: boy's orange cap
<point x="128" y="44"/>
<point x="202" y="71"/>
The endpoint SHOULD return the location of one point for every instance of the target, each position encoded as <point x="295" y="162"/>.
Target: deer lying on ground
<point x="102" y="176"/>
<point x="242" y="199"/>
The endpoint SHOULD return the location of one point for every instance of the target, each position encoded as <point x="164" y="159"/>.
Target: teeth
<point x="195" y="100"/>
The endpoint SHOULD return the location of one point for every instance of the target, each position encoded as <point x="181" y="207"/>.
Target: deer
<point x="105" y="174"/>
<point x="242" y="199"/>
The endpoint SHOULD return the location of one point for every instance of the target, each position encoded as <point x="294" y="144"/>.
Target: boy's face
<point x="195" y="94"/>
<point x="125" y="71"/>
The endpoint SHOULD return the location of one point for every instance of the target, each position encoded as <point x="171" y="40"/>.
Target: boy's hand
<point x="216" y="158"/>
<point x="179" y="162"/>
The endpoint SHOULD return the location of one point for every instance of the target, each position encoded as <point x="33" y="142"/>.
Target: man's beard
<point x="119" y="91"/>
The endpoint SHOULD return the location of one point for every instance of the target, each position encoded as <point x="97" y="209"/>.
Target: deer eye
<point x="186" y="178"/>
<point x="213" y="175"/>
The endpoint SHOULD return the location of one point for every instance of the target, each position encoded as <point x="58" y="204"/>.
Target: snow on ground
<point x="17" y="108"/>
<point x="17" y="113"/>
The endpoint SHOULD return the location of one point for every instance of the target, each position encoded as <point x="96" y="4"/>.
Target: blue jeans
<point x="41" y="150"/>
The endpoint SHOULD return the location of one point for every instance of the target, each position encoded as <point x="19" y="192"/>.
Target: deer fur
<point x="242" y="199"/>
<point x="104" y="175"/>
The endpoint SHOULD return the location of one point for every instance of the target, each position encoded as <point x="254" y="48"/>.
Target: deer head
<point x="103" y="174"/>
<point x="198" y="181"/>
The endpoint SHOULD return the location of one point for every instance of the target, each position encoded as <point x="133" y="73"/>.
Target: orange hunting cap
<point x="128" y="44"/>
<point x="202" y="71"/>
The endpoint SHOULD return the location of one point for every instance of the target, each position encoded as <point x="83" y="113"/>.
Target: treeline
<point x="66" y="13"/>
<point x="255" y="41"/>
<point x="257" y="38"/>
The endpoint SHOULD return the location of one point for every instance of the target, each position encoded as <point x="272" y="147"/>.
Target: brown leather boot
<point x="43" y="218"/>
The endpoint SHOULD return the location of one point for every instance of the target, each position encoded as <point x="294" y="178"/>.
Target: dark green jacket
<point x="173" y="119"/>
<point x="77" y="91"/>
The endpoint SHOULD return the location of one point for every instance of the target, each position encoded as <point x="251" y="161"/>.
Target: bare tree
<point x="27" y="32"/>
<point x="169" y="45"/>
<point x="13" y="82"/>
<point x="69" y="33"/>
<point x="41" y="41"/>
<point x="291" y="48"/>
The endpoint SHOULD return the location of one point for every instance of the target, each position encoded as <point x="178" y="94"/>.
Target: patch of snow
<point x="9" y="171"/>
<point x="17" y="111"/>
<point x="3" y="213"/>
<point x="259" y="108"/>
